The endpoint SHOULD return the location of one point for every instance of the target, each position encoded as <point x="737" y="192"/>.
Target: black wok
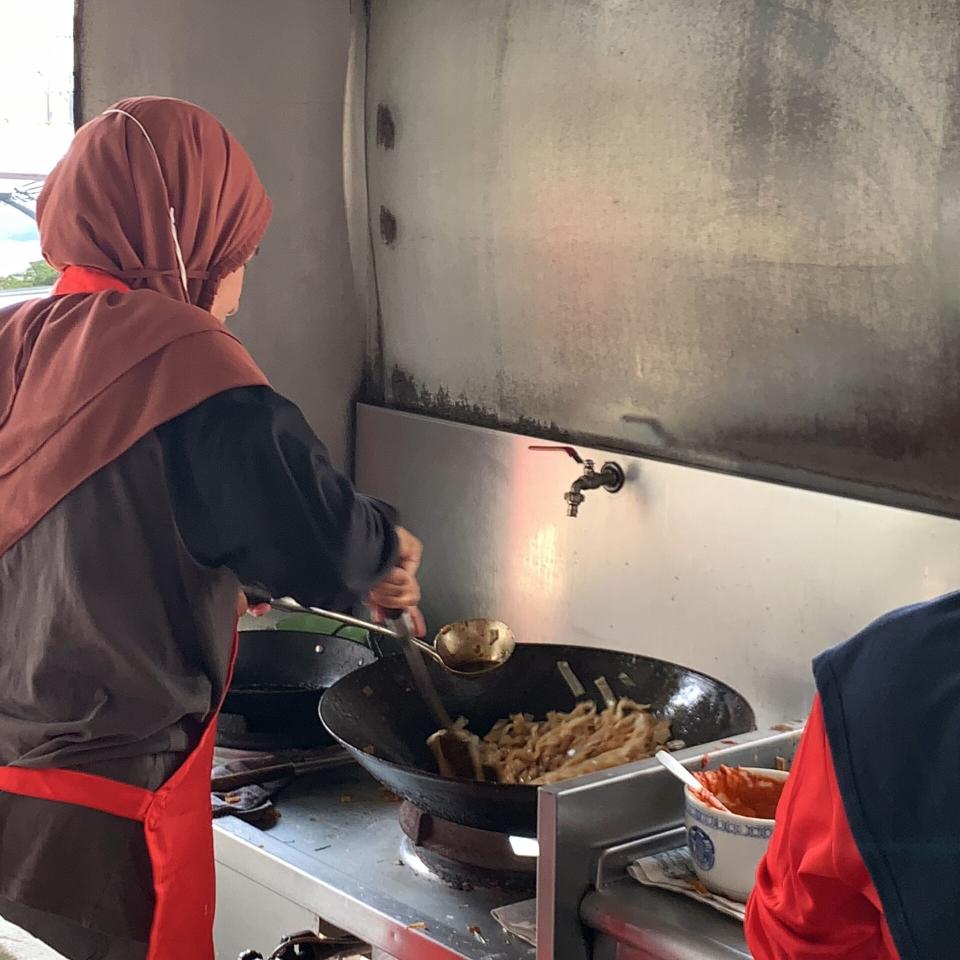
<point x="376" y="709"/>
<point x="277" y="682"/>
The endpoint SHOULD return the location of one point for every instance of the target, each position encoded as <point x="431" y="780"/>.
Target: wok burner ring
<point x="462" y="857"/>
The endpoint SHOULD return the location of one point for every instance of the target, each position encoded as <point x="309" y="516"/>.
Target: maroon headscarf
<point x="84" y="376"/>
<point x="107" y="203"/>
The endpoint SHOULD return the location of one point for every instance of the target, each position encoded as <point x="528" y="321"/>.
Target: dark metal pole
<point x="7" y="198"/>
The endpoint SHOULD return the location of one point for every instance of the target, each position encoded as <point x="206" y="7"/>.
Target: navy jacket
<point x="891" y="703"/>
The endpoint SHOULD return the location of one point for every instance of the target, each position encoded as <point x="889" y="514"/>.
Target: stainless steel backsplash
<point x="742" y="579"/>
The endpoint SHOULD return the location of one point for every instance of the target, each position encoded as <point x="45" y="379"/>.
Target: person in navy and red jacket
<point x="864" y="863"/>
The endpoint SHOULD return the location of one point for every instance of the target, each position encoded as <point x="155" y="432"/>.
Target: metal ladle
<point x="469" y="648"/>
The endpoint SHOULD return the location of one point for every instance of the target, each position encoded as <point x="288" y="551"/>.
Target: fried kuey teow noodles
<point x="521" y="749"/>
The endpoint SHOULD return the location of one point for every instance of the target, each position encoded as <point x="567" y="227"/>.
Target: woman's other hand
<point x="243" y="606"/>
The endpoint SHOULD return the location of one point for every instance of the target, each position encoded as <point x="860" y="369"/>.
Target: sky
<point x="36" y="104"/>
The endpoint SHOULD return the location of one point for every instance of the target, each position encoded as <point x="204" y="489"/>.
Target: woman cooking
<point x="147" y="470"/>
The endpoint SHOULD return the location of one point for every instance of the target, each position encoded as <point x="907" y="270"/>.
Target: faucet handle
<point x="569" y="451"/>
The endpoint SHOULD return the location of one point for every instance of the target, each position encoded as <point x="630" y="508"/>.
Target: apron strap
<point x="80" y="789"/>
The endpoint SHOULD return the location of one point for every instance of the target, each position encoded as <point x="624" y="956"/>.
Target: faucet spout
<point x="610" y="477"/>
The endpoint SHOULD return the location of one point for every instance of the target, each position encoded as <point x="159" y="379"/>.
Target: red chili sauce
<point x="746" y="794"/>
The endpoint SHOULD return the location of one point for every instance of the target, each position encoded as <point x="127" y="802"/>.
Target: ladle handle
<point x="401" y="617"/>
<point x="286" y="605"/>
<point x="407" y="632"/>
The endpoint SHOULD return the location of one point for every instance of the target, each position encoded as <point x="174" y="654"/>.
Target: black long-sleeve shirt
<point x="254" y="490"/>
<point x="115" y="680"/>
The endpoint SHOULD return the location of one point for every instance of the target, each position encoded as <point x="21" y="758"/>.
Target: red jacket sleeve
<point x="814" y="898"/>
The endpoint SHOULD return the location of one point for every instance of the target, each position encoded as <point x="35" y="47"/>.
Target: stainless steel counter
<point x="335" y="855"/>
<point x="337" y="858"/>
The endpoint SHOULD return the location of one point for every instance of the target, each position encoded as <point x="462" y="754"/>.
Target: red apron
<point x="178" y="827"/>
<point x="176" y="818"/>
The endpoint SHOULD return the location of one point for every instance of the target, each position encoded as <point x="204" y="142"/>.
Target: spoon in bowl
<point x="683" y="774"/>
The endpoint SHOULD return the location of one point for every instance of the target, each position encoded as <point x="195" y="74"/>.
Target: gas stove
<point x="416" y="888"/>
<point x="463" y="857"/>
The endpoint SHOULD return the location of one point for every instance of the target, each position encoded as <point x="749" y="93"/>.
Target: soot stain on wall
<point x="406" y="394"/>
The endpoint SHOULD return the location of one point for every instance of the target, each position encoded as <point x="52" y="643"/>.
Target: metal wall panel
<point x="725" y="231"/>
<point x="275" y="76"/>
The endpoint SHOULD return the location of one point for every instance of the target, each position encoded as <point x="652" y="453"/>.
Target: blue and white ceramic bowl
<point x="727" y="848"/>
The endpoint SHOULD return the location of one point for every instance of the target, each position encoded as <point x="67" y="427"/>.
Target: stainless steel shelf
<point x="637" y="922"/>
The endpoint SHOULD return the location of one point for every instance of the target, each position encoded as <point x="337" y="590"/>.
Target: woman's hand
<point x="243" y="606"/>
<point x="399" y="590"/>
